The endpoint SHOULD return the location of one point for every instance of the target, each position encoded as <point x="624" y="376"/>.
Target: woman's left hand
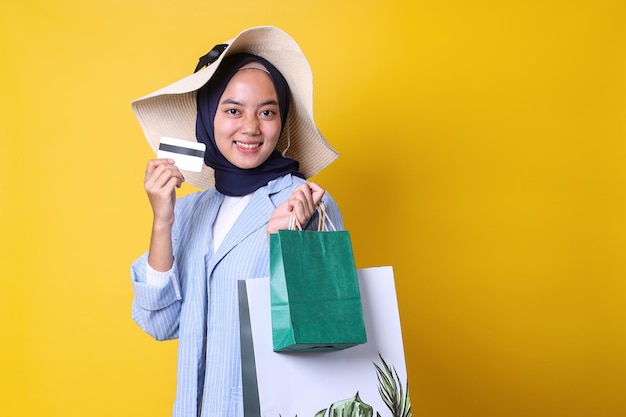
<point x="302" y="203"/>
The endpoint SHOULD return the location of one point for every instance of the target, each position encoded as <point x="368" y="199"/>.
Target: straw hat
<point x="171" y="110"/>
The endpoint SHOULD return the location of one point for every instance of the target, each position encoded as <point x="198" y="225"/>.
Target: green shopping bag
<point x="314" y="291"/>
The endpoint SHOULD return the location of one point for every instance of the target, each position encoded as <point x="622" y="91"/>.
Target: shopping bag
<point x="315" y="297"/>
<point x="367" y="380"/>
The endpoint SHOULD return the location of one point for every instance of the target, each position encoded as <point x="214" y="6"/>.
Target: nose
<point x="250" y="125"/>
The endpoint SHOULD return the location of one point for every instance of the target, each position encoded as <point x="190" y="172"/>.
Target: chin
<point x="247" y="165"/>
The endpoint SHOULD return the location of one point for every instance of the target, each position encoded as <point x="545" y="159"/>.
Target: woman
<point x="252" y="101"/>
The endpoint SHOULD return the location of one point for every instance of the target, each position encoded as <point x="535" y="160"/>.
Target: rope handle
<point x="322" y="219"/>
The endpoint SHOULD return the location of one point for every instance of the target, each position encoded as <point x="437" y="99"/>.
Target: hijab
<point x="230" y="179"/>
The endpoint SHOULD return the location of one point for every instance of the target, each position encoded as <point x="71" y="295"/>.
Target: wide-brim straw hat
<point x="171" y="110"/>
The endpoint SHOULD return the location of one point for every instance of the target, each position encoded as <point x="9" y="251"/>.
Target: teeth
<point x="248" y="145"/>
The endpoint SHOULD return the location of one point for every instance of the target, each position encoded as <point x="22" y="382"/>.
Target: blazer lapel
<point x="256" y="215"/>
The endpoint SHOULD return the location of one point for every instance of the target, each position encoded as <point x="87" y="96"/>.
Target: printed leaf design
<point x="391" y="391"/>
<point x="352" y="407"/>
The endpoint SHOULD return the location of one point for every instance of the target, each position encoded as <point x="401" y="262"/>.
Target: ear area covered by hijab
<point x="172" y="110"/>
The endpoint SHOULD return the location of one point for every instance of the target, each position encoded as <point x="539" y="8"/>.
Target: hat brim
<point x="171" y="110"/>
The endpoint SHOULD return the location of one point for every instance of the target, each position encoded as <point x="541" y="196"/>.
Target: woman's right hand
<point x="161" y="180"/>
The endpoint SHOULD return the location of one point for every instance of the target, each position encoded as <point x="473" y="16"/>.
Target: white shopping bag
<point x="365" y="380"/>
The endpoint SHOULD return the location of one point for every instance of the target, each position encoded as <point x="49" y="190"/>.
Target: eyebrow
<point x="237" y="103"/>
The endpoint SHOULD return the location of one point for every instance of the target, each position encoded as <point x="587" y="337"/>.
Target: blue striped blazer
<point x="198" y="303"/>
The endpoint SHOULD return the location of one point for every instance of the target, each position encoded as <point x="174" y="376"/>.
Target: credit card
<point x="188" y="156"/>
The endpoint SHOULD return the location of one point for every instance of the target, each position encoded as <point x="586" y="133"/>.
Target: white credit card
<point x="188" y="156"/>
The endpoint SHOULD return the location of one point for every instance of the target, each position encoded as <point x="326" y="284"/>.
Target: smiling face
<point x="247" y="121"/>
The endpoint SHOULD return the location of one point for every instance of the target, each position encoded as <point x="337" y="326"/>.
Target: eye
<point x="267" y="113"/>
<point x="232" y="111"/>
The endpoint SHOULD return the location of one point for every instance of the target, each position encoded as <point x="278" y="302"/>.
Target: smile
<point x="247" y="145"/>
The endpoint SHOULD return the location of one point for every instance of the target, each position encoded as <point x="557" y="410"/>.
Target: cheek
<point x="223" y="128"/>
<point x="272" y="131"/>
<point x="219" y="123"/>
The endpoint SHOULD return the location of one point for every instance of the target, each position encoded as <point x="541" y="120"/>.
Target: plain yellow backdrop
<point x="483" y="157"/>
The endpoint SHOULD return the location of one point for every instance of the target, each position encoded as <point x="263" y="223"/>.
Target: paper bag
<point x="315" y="297"/>
<point x="367" y="380"/>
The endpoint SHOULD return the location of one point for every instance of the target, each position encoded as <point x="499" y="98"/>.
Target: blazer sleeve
<point x="156" y="308"/>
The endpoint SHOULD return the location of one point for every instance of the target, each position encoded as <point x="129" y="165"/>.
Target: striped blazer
<point x="198" y="303"/>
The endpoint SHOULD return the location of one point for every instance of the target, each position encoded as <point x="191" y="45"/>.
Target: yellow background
<point x="483" y="150"/>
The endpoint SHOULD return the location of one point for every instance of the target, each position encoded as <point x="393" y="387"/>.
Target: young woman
<point x="251" y="106"/>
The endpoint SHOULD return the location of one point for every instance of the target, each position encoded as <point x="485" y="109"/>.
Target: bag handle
<point x="322" y="218"/>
